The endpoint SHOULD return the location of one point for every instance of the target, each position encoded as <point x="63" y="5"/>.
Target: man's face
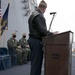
<point x="14" y="36"/>
<point x="44" y="9"/>
<point x="24" y="36"/>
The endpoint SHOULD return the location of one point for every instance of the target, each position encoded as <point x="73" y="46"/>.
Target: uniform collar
<point x="39" y="10"/>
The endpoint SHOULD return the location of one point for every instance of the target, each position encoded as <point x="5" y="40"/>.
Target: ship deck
<point x="25" y="69"/>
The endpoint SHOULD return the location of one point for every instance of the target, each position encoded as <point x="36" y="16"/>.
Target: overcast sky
<point x="65" y="17"/>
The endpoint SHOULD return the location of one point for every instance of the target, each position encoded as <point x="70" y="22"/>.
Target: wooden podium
<point x="58" y="53"/>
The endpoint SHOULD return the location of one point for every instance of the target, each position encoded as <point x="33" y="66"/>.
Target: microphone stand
<point x="50" y="26"/>
<point x="44" y="42"/>
<point x="51" y="22"/>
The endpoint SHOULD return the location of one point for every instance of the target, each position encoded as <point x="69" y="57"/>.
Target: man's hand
<point x="18" y="46"/>
<point x="56" y="32"/>
<point x="27" y="46"/>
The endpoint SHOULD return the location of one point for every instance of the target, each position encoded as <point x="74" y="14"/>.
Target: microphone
<point x="52" y="13"/>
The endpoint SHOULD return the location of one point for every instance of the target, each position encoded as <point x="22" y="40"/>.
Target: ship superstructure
<point x="19" y="12"/>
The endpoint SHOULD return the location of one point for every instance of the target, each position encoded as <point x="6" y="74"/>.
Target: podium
<point x="58" y="53"/>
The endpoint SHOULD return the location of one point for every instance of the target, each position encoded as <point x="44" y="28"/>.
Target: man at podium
<point x="37" y="30"/>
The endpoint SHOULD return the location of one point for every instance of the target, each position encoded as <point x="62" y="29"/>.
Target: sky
<point x="64" y="19"/>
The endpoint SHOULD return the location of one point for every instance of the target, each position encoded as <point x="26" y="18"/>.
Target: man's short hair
<point x="43" y="4"/>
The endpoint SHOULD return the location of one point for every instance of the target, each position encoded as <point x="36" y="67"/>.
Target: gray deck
<point x="25" y="69"/>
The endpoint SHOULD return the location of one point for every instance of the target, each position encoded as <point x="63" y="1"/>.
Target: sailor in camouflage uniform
<point x="14" y="44"/>
<point x="25" y="47"/>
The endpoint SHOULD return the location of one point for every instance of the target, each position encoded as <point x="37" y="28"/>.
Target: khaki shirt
<point x="23" y="42"/>
<point x="12" y="43"/>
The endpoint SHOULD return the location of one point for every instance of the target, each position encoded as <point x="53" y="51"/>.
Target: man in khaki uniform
<point x="25" y="47"/>
<point x="14" y="44"/>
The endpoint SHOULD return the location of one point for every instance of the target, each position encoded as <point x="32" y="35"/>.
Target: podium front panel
<point x="58" y="55"/>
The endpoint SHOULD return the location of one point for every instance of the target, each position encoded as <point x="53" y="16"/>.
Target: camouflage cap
<point x="13" y="33"/>
<point x="24" y="34"/>
<point x="43" y="3"/>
